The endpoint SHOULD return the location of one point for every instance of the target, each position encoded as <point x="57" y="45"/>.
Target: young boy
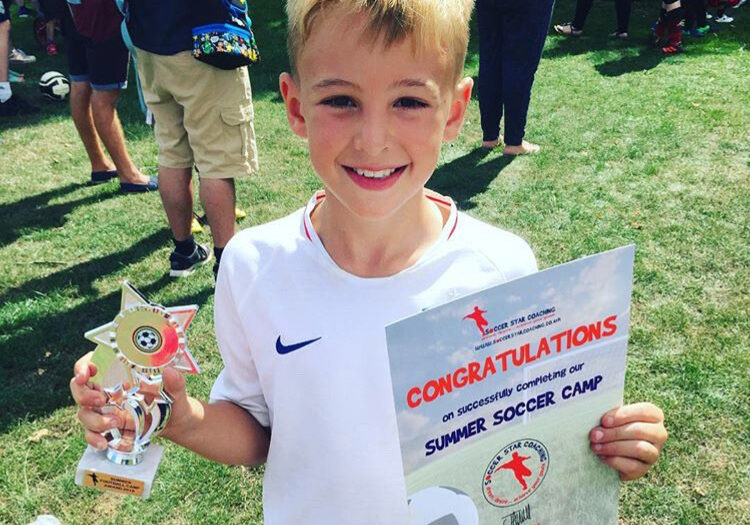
<point x="302" y="302"/>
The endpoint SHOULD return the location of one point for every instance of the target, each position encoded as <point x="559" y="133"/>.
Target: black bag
<point x="227" y="42"/>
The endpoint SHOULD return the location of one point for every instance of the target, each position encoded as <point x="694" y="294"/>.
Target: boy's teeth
<point x="380" y="174"/>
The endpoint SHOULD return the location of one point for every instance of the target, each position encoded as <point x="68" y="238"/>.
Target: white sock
<point x="5" y="92"/>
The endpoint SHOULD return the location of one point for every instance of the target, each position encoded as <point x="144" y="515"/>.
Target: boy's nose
<point x="372" y="136"/>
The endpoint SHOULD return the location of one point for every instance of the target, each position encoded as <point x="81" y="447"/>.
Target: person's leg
<point x="80" y="111"/>
<point x="218" y="200"/>
<point x="525" y="30"/>
<point x="80" y="107"/>
<point x="583" y="7"/>
<point x="690" y="14"/>
<point x="219" y="121"/>
<point x="176" y="191"/>
<point x="622" y="10"/>
<point x="700" y="14"/>
<point x="669" y="25"/>
<point x="4" y="39"/>
<point x="108" y="65"/>
<point x="490" y="71"/>
<point x="110" y="130"/>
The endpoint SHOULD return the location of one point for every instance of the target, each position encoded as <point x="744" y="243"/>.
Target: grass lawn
<point x="636" y="149"/>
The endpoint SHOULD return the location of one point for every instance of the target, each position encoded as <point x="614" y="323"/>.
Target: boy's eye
<point x="410" y="103"/>
<point x="339" y="102"/>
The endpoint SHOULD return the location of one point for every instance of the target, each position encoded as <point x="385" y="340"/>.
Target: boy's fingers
<point x="85" y="396"/>
<point x="640" y="450"/>
<point x="646" y="412"/>
<point x="96" y="422"/>
<point x="654" y="433"/>
<point x="629" y="469"/>
<point x="174" y="383"/>
<point x="84" y="369"/>
<point x="95" y="440"/>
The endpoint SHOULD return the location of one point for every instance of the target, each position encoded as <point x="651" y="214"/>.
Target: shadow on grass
<point x="467" y="176"/>
<point x="34" y="213"/>
<point x="37" y="354"/>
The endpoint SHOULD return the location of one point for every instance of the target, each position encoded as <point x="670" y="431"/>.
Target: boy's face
<point x="374" y="117"/>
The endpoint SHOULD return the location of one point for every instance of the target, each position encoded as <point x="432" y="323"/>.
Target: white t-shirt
<point x="304" y="350"/>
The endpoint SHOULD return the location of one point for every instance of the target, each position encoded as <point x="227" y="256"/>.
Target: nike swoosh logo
<point x="285" y="349"/>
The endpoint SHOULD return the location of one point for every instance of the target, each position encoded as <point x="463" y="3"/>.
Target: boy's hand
<point x="90" y="400"/>
<point x="630" y="439"/>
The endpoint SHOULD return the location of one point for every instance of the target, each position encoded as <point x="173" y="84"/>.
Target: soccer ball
<point x="54" y="85"/>
<point x="147" y="339"/>
<point x="439" y="505"/>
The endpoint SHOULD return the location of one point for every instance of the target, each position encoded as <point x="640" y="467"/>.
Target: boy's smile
<point x="374" y="116"/>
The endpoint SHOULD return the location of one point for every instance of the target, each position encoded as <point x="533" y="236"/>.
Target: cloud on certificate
<point x="461" y="357"/>
<point x="411" y="424"/>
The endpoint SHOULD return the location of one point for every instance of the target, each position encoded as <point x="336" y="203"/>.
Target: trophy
<point x="131" y="354"/>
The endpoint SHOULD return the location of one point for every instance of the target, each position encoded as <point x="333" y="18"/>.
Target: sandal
<point x="568" y="30"/>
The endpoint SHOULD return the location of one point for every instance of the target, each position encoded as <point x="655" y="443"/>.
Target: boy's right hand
<point x="91" y="400"/>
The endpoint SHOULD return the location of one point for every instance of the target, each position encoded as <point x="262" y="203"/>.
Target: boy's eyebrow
<point x="418" y="83"/>
<point x="333" y="82"/>
<point x="410" y="82"/>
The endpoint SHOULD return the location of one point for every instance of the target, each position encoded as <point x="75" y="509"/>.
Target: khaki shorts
<point x="204" y="115"/>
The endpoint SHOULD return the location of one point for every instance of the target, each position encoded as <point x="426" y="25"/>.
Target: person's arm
<point x="220" y="431"/>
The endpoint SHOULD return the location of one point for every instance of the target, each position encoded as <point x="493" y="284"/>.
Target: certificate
<point x="496" y="392"/>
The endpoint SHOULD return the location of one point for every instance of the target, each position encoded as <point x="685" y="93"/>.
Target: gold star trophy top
<point x="132" y="352"/>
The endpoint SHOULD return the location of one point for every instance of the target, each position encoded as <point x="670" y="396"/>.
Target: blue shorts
<point x="103" y="65"/>
<point x="4" y="11"/>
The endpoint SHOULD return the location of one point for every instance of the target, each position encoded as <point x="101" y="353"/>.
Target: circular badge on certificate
<point x="515" y="472"/>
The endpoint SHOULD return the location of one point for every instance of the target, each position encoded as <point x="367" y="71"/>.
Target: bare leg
<point x="4" y="49"/>
<point x="108" y="126"/>
<point x="218" y="199"/>
<point x="80" y="110"/>
<point x="176" y="191"/>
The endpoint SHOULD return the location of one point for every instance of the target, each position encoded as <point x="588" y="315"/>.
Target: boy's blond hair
<point x="435" y="25"/>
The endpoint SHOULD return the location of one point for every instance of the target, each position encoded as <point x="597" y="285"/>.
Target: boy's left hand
<point x="630" y="439"/>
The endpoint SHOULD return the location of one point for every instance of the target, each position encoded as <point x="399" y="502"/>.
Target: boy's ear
<point x="461" y="98"/>
<point x="290" y="94"/>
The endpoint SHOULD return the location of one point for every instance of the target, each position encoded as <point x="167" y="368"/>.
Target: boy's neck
<point x="378" y="248"/>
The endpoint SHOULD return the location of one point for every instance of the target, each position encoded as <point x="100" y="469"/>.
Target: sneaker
<point x="672" y="49"/>
<point x="695" y="33"/>
<point x="15" y="76"/>
<point x="619" y="34"/>
<point x="724" y="19"/>
<point x="18" y="56"/>
<point x="51" y="49"/>
<point x="15" y="106"/>
<point x="568" y="30"/>
<point x="739" y="4"/>
<point x="704" y="30"/>
<point x="24" y="12"/>
<point x="183" y="265"/>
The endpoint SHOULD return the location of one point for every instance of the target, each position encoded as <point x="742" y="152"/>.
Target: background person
<point x="9" y="105"/>
<point x="98" y="65"/>
<point x="204" y="118"/>
<point x="511" y="40"/>
<point x="583" y="7"/>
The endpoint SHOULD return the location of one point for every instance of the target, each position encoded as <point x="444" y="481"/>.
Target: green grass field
<point x="637" y="148"/>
